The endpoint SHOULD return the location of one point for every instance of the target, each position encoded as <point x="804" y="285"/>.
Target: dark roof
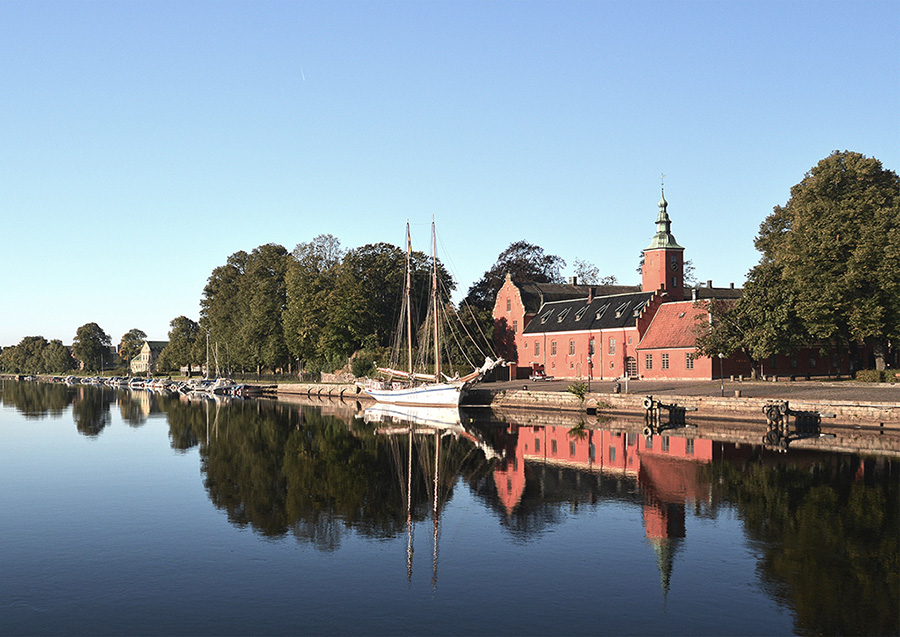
<point x="156" y="346"/>
<point x="604" y="312"/>
<point x="534" y="295"/>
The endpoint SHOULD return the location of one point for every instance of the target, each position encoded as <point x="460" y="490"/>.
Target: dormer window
<point x="580" y="313"/>
<point x="639" y="307"/>
<point x="602" y="310"/>
<point x="562" y="315"/>
<point x="546" y="315"/>
<point x="621" y="309"/>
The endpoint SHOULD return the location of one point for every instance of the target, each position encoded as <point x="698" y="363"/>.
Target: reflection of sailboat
<point x="425" y="429"/>
<point x="421" y="435"/>
<point x="425" y="418"/>
<point x="407" y="386"/>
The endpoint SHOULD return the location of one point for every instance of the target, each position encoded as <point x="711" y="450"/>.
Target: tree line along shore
<point x="827" y="275"/>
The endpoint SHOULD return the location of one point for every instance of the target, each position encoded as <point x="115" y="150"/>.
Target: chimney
<point x="709" y="283"/>
<point x="573" y="280"/>
<point x="693" y="294"/>
<point x="732" y="285"/>
<point x="590" y="295"/>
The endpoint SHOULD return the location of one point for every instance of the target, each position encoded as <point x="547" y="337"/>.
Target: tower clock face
<point x="674" y="263"/>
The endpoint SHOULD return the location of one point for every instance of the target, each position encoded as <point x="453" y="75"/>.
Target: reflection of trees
<point x="280" y="469"/>
<point x="334" y="475"/>
<point x="91" y="409"/>
<point x="830" y="538"/>
<point x="36" y="400"/>
<point x="188" y="420"/>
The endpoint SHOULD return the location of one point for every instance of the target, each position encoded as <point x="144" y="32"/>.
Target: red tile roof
<point x="675" y="325"/>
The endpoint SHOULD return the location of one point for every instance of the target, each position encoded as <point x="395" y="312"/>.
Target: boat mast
<point x="434" y="307"/>
<point x="408" y="307"/>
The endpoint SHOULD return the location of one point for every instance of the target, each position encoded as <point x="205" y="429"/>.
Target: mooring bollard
<point x="778" y="420"/>
<point x="652" y="415"/>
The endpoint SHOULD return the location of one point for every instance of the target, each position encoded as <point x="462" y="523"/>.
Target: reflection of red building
<point x="666" y="468"/>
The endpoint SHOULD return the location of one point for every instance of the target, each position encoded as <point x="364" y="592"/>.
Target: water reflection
<point x="820" y="520"/>
<point x="825" y="526"/>
<point x="36" y="400"/>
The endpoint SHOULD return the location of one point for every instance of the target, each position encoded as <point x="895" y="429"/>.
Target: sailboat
<point x="406" y="386"/>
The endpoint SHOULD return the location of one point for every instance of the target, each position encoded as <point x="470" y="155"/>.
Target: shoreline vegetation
<point x="852" y="402"/>
<point x="827" y="281"/>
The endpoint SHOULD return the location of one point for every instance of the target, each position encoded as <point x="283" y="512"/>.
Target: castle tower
<point x="664" y="259"/>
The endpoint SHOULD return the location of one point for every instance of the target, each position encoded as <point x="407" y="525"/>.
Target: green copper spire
<point x="663" y="237"/>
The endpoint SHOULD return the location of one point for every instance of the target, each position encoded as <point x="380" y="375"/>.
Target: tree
<point x="184" y="338"/>
<point x="836" y="245"/>
<point x="223" y="309"/>
<point x="761" y="323"/>
<point x="589" y="274"/>
<point x="131" y="344"/>
<point x="365" y="303"/>
<point x="28" y="354"/>
<point x="57" y="358"/>
<point x="263" y="289"/>
<point x="91" y="346"/>
<point x="524" y="262"/>
<point x="309" y="279"/>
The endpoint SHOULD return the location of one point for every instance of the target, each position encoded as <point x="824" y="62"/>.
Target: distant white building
<point x="145" y="361"/>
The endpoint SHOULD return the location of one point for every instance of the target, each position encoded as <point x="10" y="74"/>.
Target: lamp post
<point x="590" y="371"/>
<point x="721" y="372"/>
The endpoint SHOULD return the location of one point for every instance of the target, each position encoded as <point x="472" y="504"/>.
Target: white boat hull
<point x="442" y="394"/>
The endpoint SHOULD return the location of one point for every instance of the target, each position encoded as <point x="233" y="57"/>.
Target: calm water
<point x="127" y="513"/>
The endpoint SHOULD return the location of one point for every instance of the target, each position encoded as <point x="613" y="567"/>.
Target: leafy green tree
<point x="263" y="289"/>
<point x="366" y="302"/>
<point x="184" y="338"/>
<point x="131" y="343"/>
<point x="761" y="323"/>
<point x="524" y="262"/>
<point x="56" y="358"/>
<point x="28" y="354"/>
<point x="310" y="277"/>
<point x="836" y="246"/>
<point x="223" y="309"/>
<point x="91" y="346"/>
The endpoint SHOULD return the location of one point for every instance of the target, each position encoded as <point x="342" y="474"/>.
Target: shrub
<point x="363" y="364"/>
<point x="870" y="376"/>
<point x="579" y="389"/>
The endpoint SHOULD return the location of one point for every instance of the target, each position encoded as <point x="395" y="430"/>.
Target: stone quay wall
<point x="845" y="412"/>
<point x="885" y="414"/>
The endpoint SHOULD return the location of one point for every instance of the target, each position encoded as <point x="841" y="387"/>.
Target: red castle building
<point x="610" y="331"/>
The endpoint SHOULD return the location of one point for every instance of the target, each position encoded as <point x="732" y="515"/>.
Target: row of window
<point x="537" y="346"/>
<point x="664" y="361"/>
<point x="611" y="456"/>
<point x="648" y="358"/>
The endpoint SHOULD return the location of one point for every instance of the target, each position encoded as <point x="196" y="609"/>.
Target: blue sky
<point x="142" y="143"/>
